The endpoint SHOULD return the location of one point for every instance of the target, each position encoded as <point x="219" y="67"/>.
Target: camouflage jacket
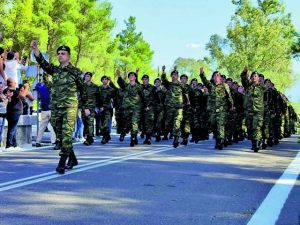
<point x="133" y="94"/>
<point x="198" y="99"/>
<point x="176" y="92"/>
<point x="220" y="99"/>
<point x="89" y="97"/>
<point x="149" y="96"/>
<point x="64" y="83"/>
<point x="160" y="96"/>
<point x="254" y="95"/>
<point x="106" y="95"/>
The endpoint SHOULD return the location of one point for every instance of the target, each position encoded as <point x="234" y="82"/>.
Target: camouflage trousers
<point x="173" y="120"/>
<point x="132" y="119"/>
<point x="148" y="121"/>
<point x="218" y="122"/>
<point x="88" y="123"/>
<point x="120" y="118"/>
<point x="158" y="120"/>
<point x="105" y="117"/>
<point x="254" y="123"/>
<point x="63" y="122"/>
<point x="185" y="125"/>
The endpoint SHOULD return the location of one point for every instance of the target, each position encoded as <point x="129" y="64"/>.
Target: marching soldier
<point x="132" y="103"/>
<point x="254" y="106"/>
<point x="66" y="81"/>
<point x="174" y="102"/>
<point x="219" y="103"/>
<point x="105" y="98"/>
<point x="89" y="101"/>
<point x="148" y="110"/>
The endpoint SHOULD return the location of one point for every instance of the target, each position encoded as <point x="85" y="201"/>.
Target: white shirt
<point x="11" y="69"/>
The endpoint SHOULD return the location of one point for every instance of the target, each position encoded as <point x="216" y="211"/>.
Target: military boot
<point x="176" y="141"/>
<point x="89" y="140"/>
<point x="148" y="139"/>
<point x="57" y="145"/>
<point x="103" y="141"/>
<point x="264" y="144"/>
<point x="133" y="140"/>
<point x="122" y="136"/>
<point x="157" y="138"/>
<point x="220" y="143"/>
<point x="270" y="142"/>
<point x="184" y="141"/>
<point x="61" y="164"/>
<point x="255" y="145"/>
<point x="72" y="161"/>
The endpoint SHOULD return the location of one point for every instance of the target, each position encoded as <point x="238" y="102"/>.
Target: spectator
<point x="2" y="66"/>
<point x="11" y="67"/>
<point x="44" y="94"/>
<point x="3" y="104"/>
<point x="29" y="100"/>
<point x="14" y="110"/>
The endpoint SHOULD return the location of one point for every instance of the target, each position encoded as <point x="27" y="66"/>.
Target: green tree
<point x="191" y="67"/>
<point x="16" y="23"/>
<point x="260" y="37"/>
<point x="93" y="37"/>
<point x="134" y="51"/>
<point x="54" y="25"/>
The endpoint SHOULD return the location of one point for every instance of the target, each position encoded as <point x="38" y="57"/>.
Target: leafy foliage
<point x="260" y="37"/>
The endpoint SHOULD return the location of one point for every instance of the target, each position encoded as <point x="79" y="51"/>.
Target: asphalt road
<point x="156" y="184"/>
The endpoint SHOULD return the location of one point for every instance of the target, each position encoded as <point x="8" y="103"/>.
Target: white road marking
<point x="51" y="175"/>
<point x="269" y="210"/>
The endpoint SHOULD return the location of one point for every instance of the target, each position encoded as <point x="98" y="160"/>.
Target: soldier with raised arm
<point x="66" y="82"/>
<point x="219" y="103"/>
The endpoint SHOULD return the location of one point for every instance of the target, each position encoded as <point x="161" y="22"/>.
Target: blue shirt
<point x="44" y="96"/>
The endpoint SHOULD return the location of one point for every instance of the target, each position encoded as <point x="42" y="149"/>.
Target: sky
<point x="182" y="28"/>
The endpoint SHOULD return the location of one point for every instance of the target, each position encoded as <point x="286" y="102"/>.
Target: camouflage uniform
<point x="132" y="103"/>
<point x="159" y="113"/>
<point x="187" y="116"/>
<point x="64" y="83"/>
<point x="106" y="95"/>
<point x="119" y="111"/>
<point x="89" y="101"/>
<point x="148" y="111"/>
<point x="173" y="105"/>
<point x="219" y="103"/>
<point x="254" y="106"/>
<point x="195" y="97"/>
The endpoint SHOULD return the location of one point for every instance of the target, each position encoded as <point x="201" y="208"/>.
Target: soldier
<point x="187" y="112"/>
<point x="132" y="103"/>
<point x="89" y="101"/>
<point x="66" y="81"/>
<point x="219" y="103"/>
<point x="105" y="101"/>
<point x="160" y="94"/>
<point x="148" y="110"/>
<point x="174" y="103"/>
<point x="254" y="106"/>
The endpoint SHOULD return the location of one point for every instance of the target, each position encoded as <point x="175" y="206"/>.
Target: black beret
<point x="156" y="80"/>
<point x="104" y="77"/>
<point x="229" y="79"/>
<point x="133" y="74"/>
<point x="64" y="48"/>
<point x="145" y="76"/>
<point x="174" y="72"/>
<point x="184" y="75"/>
<point x="88" y="73"/>
<point x="194" y="79"/>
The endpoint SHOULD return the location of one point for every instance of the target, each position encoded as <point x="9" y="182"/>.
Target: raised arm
<point x="244" y="78"/>
<point x="207" y="83"/>
<point x="49" y="68"/>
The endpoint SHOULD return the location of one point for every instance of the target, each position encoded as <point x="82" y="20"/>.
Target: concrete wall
<point x="24" y="130"/>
